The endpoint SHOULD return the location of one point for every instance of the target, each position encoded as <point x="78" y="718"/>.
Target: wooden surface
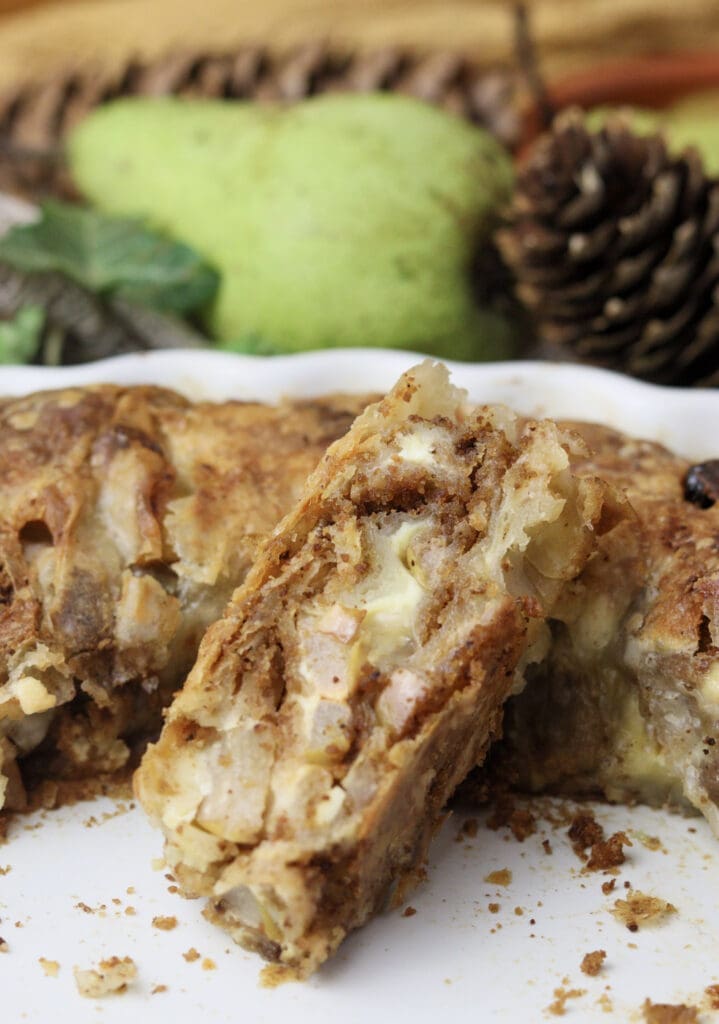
<point x="44" y="38"/>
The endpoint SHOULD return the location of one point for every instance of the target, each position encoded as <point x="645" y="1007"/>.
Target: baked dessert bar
<point x="360" y="671"/>
<point x="128" y="517"/>
<point x="627" y="702"/>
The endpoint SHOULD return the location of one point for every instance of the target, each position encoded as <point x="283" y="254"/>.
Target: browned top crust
<point x="129" y="515"/>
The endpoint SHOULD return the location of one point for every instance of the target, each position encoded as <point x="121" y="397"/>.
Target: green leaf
<point x="20" y="337"/>
<point x="112" y="256"/>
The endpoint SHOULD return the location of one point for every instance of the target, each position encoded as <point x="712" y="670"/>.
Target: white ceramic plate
<point x="454" y="959"/>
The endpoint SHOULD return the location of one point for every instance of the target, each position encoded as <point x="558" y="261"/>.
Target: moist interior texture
<point x="626" y="705"/>
<point x="360" y="671"/>
<point x="129" y="516"/>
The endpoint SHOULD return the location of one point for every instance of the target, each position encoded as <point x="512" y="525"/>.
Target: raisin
<point x="701" y="484"/>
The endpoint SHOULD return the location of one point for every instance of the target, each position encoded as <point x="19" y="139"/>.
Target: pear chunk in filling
<point x="360" y="671"/>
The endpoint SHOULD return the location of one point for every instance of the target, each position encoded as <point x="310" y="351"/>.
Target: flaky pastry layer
<point x="360" y="671"/>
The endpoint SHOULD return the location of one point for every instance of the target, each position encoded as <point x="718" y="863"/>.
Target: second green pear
<point x="342" y="220"/>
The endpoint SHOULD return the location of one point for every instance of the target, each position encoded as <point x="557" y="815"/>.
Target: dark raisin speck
<point x="701" y="484"/>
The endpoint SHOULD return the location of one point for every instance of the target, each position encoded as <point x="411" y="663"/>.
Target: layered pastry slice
<point x="360" y="671"/>
<point x="627" y="702"/>
<point x="128" y="516"/>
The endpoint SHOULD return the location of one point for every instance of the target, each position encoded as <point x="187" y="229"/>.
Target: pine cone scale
<point x="626" y="273"/>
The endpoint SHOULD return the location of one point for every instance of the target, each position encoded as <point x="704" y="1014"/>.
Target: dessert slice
<point x="128" y="517"/>
<point x="627" y="703"/>
<point x="360" y="671"/>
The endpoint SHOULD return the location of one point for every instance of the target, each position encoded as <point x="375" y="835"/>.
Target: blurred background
<point x="37" y="37"/>
<point x="596" y="241"/>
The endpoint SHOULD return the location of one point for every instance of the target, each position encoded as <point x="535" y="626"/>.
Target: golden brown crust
<point x="129" y="515"/>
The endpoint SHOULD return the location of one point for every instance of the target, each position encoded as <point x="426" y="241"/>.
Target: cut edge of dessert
<point x="626" y="704"/>
<point x="361" y="670"/>
<point x="129" y="516"/>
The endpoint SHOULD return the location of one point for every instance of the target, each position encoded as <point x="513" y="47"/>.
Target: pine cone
<point x="614" y="242"/>
<point x="34" y="120"/>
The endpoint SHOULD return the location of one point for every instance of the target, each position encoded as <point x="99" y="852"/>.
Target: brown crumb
<point x="605" y="1002"/>
<point x="165" y="924"/>
<point x="191" y="955"/>
<point x="639" y="908"/>
<point x="274" y="975"/>
<point x="547" y="847"/>
<point x="469" y="829"/>
<point x="584" y="832"/>
<point x="493" y="908"/>
<point x="518" y="911"/>
<point x="50" y="967"/>
<point x="501" y="877"/>
<point x="712" y="994"/>
<point x="4" y="948"/>
<point x="130" y="911"/>
<point x="84" y="908"/>
<point x="522" y="824"/>
<point x="6" y="870"/>
<point x="607" y="887"/>
<point x="668" y="1013"/>
<point x="130" y="890"/>
<point x="208" y="964"/>
<point x="111" y="977"/>
<point x="409" y="912"/>
<point x="561" y="997"/>
<point x="520" y="820"/>
<point x="592" y="962"/>
<point x="172" y="889"/>
<point x="157" y="989"/>
<point x="608" y="853"/>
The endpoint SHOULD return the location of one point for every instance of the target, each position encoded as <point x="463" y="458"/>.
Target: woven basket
<point x="35" y="118"/>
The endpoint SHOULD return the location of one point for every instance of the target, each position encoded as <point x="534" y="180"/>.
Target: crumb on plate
<point x="165" y="924"/>
<point x="501" y="877"/>
<point x="592" y="962"/>
<point x="640" y="908"/>
<point x="561" y="997"/>
<point x="669" y="1013"/>
<point x="111" y="977"/>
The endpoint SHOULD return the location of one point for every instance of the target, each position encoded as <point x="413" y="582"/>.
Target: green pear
<point x="342" y="220"/>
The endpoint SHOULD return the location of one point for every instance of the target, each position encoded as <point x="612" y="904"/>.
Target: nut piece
<point x="111" y="977"/>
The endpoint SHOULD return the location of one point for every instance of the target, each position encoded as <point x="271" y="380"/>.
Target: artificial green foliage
<point x="111" y="256"/>
<point x="20" y="336"/>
